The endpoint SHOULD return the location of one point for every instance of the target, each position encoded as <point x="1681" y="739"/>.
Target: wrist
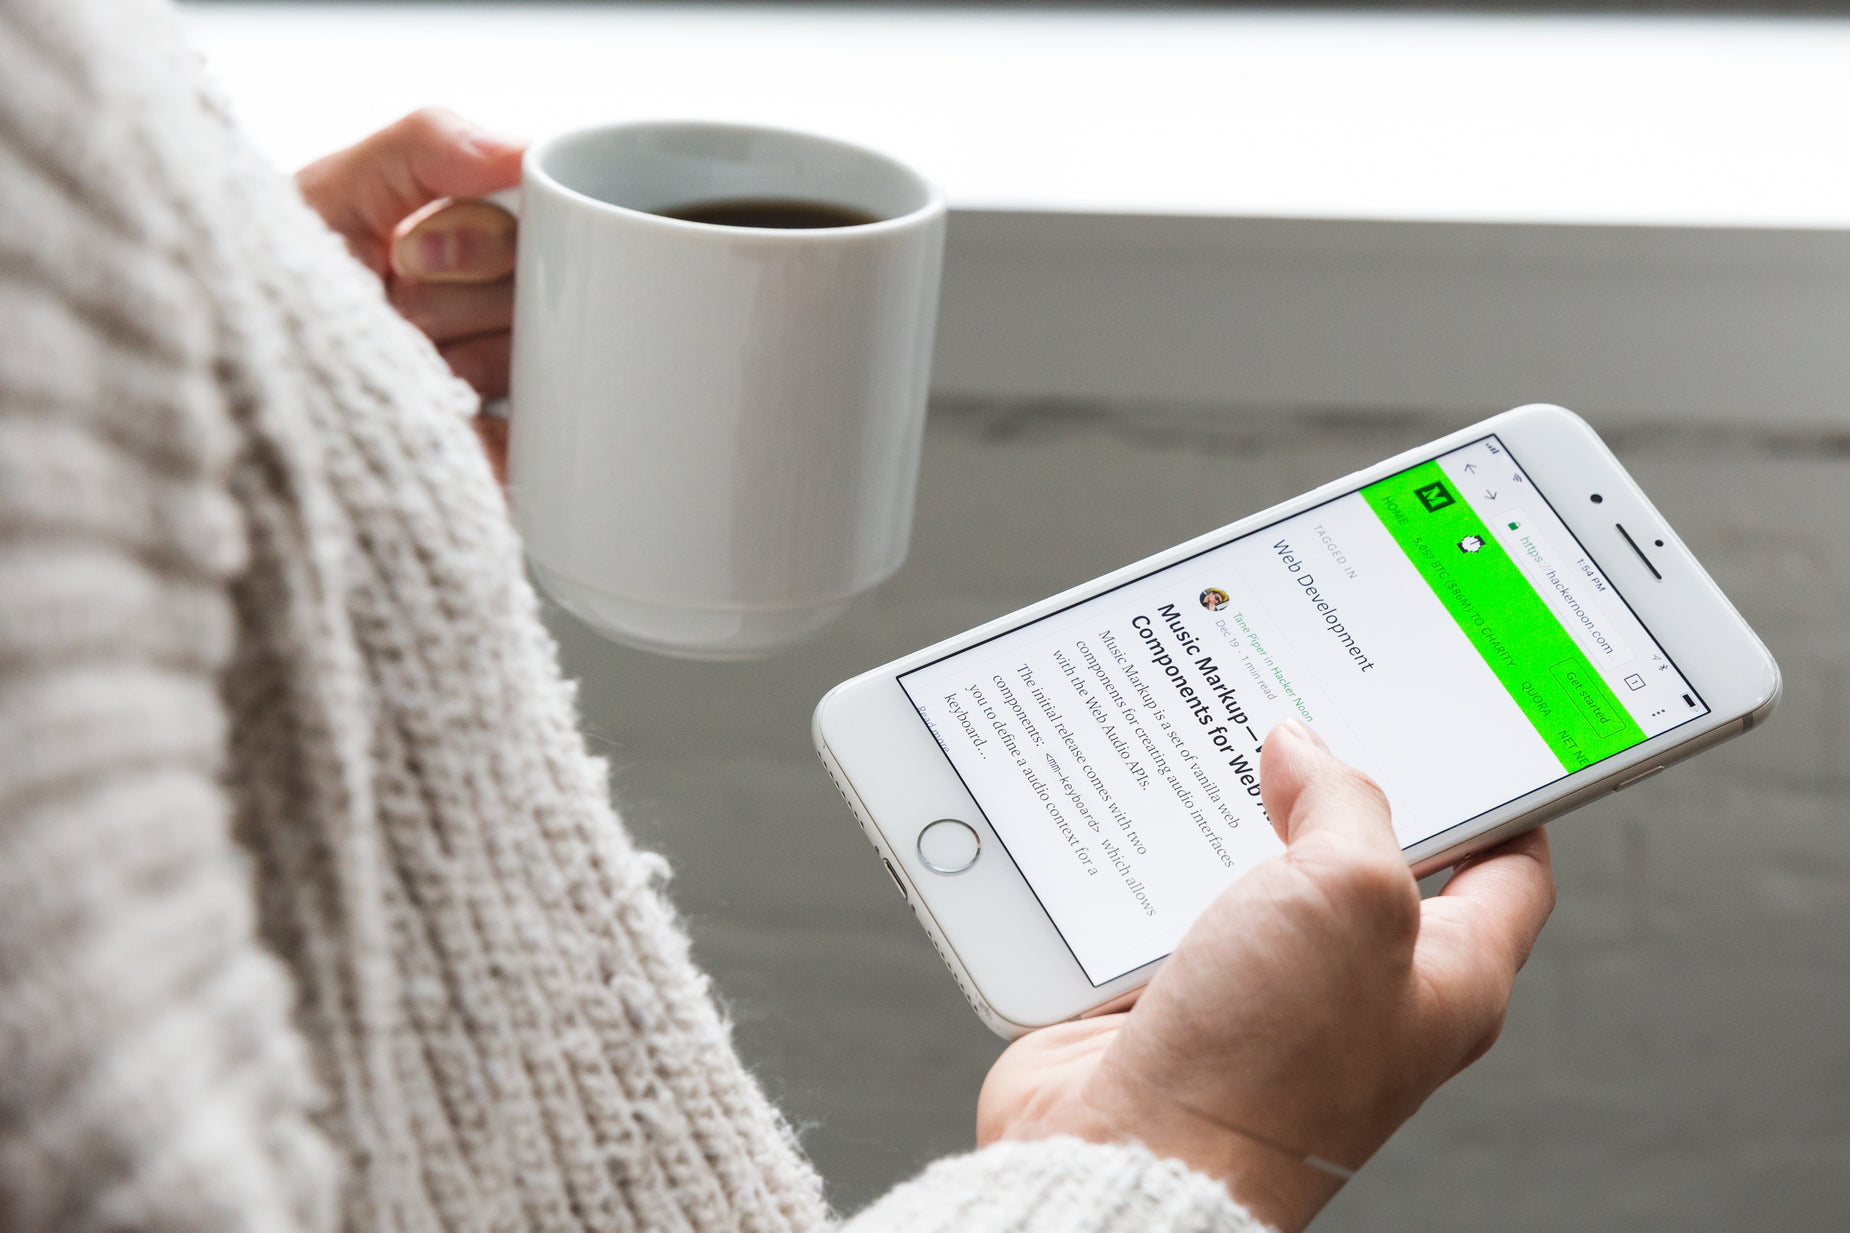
<point x="1282" y="1185"/>
<point x="1277" y="1185"/>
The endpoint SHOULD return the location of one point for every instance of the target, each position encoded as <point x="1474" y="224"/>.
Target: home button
<point x="949" y="846"/>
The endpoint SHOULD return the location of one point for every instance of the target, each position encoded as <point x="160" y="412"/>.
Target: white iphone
<point x="1496" y="627"/>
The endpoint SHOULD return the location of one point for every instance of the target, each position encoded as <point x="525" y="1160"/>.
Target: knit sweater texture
<point x="314" y="912"/>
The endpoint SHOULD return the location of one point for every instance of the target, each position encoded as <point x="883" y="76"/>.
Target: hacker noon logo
<point x="1434" y="497"/>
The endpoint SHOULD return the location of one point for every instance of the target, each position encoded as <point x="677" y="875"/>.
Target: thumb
<point x="463" y="242"/>
<point x="366" y="190"/>
<point x="1308" y="790"/>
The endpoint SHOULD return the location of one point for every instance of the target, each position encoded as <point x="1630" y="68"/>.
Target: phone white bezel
<point x="1002" y="947"/>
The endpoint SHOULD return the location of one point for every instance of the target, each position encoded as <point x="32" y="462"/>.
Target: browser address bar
<point x="1570" y="586"/>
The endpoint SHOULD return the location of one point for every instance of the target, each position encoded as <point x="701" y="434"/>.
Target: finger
<point x="1118" y="1005"/>
<point x="481" y="361"/>
<point x="492" y="430"/>
<point x="1307" y="791"/>
<point x="464" y="242"/>
<point x="364" y="190"/>
<point x="1503" y="897"/>
<point x="448" y="312"/>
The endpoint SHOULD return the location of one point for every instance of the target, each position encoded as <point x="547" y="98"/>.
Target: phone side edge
<point x="1606" y="785"/>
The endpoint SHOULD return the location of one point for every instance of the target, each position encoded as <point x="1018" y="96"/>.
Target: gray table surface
<point x="1678" y="1052"/>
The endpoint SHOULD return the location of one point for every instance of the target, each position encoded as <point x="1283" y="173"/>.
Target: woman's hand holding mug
<point x="404" y="201"/>
<point x="716" y="417"/>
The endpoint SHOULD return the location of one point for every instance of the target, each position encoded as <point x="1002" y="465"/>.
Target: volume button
<point x="894" y="874"/>
<point x="1639" y="777"/>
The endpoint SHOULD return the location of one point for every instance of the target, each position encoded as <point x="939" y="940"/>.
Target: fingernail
<point x="1302" y="731"/>
<point x="438" y="251"/>
<point x="492" y="143"/>
<point x="465" y="241"/>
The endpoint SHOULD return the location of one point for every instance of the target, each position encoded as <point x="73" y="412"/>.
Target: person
<point x="314" y="911"/>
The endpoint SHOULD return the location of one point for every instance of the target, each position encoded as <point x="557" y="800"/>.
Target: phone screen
<point x="1441" y="629"/>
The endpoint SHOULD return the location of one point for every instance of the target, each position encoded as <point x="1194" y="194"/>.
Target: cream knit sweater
<point x="313" y="909"/>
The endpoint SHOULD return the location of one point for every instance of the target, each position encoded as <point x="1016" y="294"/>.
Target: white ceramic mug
<point x="715" y="430"/>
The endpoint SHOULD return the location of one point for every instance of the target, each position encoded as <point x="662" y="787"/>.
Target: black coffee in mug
<point x="779" y="212"/>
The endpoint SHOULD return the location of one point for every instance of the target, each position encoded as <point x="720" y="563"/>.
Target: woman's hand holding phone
<point x="1308" y="1013"/>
